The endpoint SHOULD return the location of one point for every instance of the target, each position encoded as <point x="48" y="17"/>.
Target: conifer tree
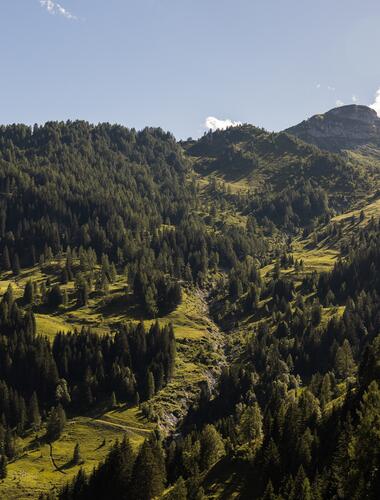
<point x="55" y="297"/>
<point x="77" y="458"/>
<point x="148" y="479"/>
<point x="326" y="393"/>
<point x="34" y="411"/>
<point x="113" y="401"/>
<point x="150" y="302"/>
<point x="79" y="485"/>
<point x="55" y="423"/>
<point x="82" y="289"/>
<point x="212" y="446"/>
<point x="250" y="429"/>
<point x="65" y="298"/>
<point x="301" y="489"/>
<point x="28" y="297"/>
<point x="150" y="385"/>
<point x="9" y="444"/>
<point x="3" y="466"/>
<point x="112" y="273"/>
<point x="16" y="268"/>
<point x="269" y="492"/>
<point x="344" y="361"/>
<point x="179" y="490"/>
<point x="6" y="259"/>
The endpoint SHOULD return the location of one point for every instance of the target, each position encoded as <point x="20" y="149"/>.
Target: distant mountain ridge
<point x="345" y="127"/>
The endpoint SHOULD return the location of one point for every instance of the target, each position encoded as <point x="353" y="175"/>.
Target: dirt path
<point x="125" y="428"/>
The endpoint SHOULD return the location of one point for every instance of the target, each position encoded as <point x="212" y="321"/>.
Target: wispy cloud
<point x="325" y="87"/>
<point x="213" y="123"/>
<point x="338" y="102"/>
<point x="354" y="98"/>
<point x="376" y="104"/>
<point x="56" y="8"/>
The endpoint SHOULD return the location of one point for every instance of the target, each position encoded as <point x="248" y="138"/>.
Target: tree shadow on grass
<point x="120" y="304"/>
<point x="227" y="475"/>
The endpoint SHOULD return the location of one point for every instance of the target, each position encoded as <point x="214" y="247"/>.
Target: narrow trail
<point x="126" y="428"/>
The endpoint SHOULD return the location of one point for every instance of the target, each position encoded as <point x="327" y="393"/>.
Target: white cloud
<point x="318" y="85"/>
<point x="331" y="89"/>
<point x="56" y="8"/>
<point x="354" y="98"/>
<point x="213" y="123"/>
<point x="376" y="104"/>
<point x="339" y="103"/>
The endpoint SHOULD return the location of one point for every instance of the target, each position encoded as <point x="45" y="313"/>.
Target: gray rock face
<point x="346" y="127"/>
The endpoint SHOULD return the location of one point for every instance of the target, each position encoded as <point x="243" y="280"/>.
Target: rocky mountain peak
<point x="345" y="127"/>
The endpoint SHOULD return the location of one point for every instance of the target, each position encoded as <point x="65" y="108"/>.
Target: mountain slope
<point x="278" y="176"/>
<point x="224" y="315"/>
<point x="345" y="127"/>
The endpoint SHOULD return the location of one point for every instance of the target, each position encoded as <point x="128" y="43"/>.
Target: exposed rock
<point x="346" y="127"/>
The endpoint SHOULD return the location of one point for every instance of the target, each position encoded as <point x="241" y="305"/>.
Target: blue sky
<point x="173" y="63"/>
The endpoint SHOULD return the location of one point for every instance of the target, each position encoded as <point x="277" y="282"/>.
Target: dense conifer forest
<point x="276" y="241"/>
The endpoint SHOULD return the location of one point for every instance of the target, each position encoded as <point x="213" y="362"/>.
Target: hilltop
<point x="345" y="127"/>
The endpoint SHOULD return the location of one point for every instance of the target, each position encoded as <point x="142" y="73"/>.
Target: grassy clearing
<point x="34" y="473"/>
<point x="370" y="210"/>
<point x="329" y="312"/>
<point x="103" y="312"/>
<point x="320" y="259"/>
<point x="190" y="318"/>
<point x="48" y="326"/>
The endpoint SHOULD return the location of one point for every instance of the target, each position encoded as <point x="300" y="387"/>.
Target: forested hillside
<point x="277" y="176"/>
<point x="187" y="320"/>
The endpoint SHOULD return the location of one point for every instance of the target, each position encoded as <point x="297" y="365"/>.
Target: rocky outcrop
<point x="346" y="127"/>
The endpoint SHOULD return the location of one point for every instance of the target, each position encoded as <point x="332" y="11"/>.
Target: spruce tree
<point x="150" y="302"/>
<point x="344" y="361"/>
<point x="34" y="411"/>
<point x="16" y="268"/>
<point x="28" y="297"/>
<point x="113" y="401"/>
<point x="151" y="389"/>
<point x="55" y="297"/>
<point x="250" y="429"/>
<point x="179" y="491"/>
<point x="9" y="444"/>
<point x="6" y="259"/>
<point x="301" y="488"/>
<point x="55" y="423"/>
<point x="77" y="458"/>
<point x="269" y="492"/>
<point x="148" y="480"/>
<point x="212" y="446"/>
<point x="3" y="466"/>
<point x="326" y="393"/>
